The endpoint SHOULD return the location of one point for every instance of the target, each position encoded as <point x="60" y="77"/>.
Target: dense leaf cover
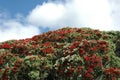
<point x="64" y="54"/>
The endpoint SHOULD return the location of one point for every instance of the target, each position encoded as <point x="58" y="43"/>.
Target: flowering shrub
<point x="64" y="54"/>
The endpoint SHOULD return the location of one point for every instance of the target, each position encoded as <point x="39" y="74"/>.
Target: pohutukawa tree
<point x="64" y="54"/>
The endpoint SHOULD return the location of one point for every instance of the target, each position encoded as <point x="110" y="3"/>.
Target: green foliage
<point x="64" y="54"/>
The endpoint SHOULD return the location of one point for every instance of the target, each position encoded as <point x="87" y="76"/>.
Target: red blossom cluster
<point x="68" y="53"/>
<point x="112" y="73"/>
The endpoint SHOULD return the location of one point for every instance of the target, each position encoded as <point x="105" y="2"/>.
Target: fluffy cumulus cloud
<point x="80" y="13"/>
<point x="115" y="6"/>
<point x="54" y="14"/>
<point x="47" y="14"/>
<point x="15" y="29"/>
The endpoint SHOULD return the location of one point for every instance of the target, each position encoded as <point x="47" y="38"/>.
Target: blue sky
<point x="21" y="19"/>
<point x="19" y="6"/>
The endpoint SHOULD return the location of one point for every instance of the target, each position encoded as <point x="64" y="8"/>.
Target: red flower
<point x="72" y="47"/>
<point x="0" y="70"/>
<point x="112" y="71"/>
<point x="27" y="40"/>
<point x="81" y="51"/>
<point x="86" y="58"/>
<point x="70" y="71"/>
<point x="4" y="77"/>
<point x="2" y="61"/>
<point x="85" y="42"/>
<point x="94" y="48"/>
<point x="106" y="57"/>
<point x="93" y="61"/>
<point x="114" y="78"/>
<point x="46" y="44"/>
<point x="90" y="70"/>
<point x="5" y="46"/>
<point x="39" y="56"/>
<point x="15" y="69"/>
<point x="5" y="74"/>
<point x="104" y="36"/>
<point x="48" y="50"/>
<point x="79" y="69"/>
<point x="88" y="76"/>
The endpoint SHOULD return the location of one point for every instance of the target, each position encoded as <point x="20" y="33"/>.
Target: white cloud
<point x="115" y="6"/>
<point x="14" y="29"/>
<point x="79" y="13"/>
<point x="54" y="14"/>
<point x="47" y="14"/>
